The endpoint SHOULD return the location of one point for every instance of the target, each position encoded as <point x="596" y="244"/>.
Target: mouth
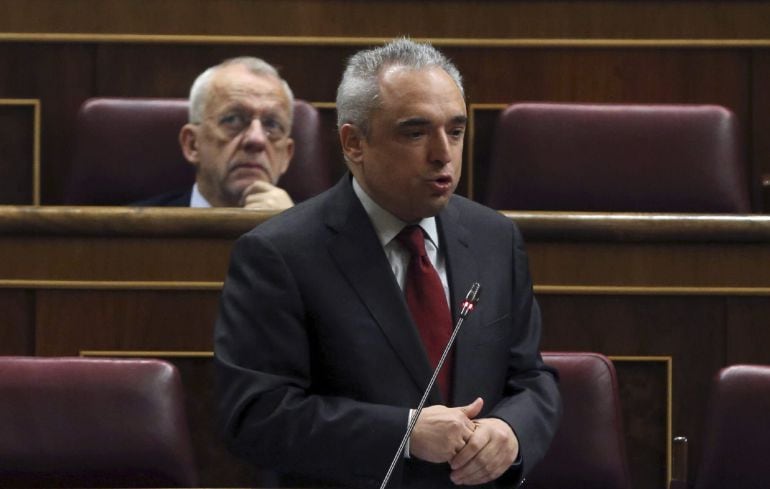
<point x="441" y="183"/>
<point x="249" y="168"/>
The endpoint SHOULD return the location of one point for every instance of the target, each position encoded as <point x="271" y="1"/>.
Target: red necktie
<point x="427" y="303"/>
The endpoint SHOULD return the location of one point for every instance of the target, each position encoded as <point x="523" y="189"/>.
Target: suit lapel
<point x="359" y="256"/>
<point x="462" y="271"/>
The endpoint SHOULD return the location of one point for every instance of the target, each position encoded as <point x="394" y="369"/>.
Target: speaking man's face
<point x="410" y="161"/>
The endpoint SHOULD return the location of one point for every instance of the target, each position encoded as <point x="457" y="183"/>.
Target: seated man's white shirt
<point x="197" y="199"/>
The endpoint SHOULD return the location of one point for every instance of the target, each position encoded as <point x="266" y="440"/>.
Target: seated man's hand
<point x="490" y="451"/>
<point x="441" y="432"/>
<point x="263" y="196"/>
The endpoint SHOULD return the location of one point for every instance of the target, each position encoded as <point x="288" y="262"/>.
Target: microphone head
<point x="473" y="293"/>
<point x="471" y="298"/>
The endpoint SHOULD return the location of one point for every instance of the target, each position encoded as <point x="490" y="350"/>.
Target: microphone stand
<point x="471" y="298"/>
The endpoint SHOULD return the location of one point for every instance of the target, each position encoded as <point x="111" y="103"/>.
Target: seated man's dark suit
<point x="318" y="360"/>
<point x="172" y="199"/>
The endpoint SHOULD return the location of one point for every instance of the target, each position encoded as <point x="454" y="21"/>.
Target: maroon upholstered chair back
<point x="76" y="422"/>
<point x="127" y="149"/>
<point x="310" y="172"/>
<point x="618" y="158"/>
<point x="588" y="450"/>
<point x="736" y="446"/>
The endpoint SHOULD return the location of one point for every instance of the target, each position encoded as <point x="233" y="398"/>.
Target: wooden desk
<point x="671" y="298"/>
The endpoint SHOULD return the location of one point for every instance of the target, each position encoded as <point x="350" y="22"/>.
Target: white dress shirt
<point x="197" y="199"/>
<point x="387" y="226"/>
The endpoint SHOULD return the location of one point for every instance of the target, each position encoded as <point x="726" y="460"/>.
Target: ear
<point x="352" y="142"/>
<point x="188" y="140"/>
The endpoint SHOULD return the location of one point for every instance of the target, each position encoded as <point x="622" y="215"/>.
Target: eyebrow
<point x="421" y="121"/>
<point x="413" y="122"/>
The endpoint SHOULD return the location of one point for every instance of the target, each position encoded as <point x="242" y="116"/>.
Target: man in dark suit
<point x="237" y="138"/>
<point x="319" y="358"/>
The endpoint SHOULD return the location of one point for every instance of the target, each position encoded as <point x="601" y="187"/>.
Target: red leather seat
<point x="77" y="422"/>
<point x="588" y="450"/>
<point x="615" y="158"/>
<point x="127" y="150"/>
<point x="736" y="446"/>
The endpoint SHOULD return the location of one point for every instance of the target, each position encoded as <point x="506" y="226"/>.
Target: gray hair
<point x="199" y="91"/>
<point x="358" y="93"/>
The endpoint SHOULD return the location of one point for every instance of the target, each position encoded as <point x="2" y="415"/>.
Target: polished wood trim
<point x="470" y="159"/>
<point x="539" y="289"/>
<point x="109" y="285"/>
<point x="35" y="104"/>
<point x="668" y="360"/>
<point x="128" y="221"/>
<point x="368" y="41"/>
<point x="488" y="106"/>
<point x="642" y="227"/>
<point x="231" y="222"/>
<point x="651" y="291"/>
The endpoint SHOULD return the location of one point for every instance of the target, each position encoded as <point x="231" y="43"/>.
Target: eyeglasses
<point x="235" y="122"/>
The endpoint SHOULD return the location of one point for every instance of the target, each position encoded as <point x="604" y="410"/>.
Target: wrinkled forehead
<point x="240" y="88"/>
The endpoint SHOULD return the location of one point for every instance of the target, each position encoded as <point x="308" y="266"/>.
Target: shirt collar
<point x="386" y="225"/>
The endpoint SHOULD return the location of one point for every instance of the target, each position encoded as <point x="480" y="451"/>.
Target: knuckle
<point x="457" y="425"/>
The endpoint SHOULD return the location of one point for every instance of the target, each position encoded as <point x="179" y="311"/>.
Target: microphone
<point x="467" y="305"/>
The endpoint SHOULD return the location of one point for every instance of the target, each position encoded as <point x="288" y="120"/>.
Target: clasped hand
<point x="264" y="196"/>
<point x="477" y="450"/>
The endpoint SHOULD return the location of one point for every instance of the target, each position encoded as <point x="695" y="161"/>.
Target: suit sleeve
<point x="531" y="404"/>
<point x="269" y="410"/>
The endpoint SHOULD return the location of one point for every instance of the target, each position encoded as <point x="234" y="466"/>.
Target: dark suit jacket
<point x="179" y="198"/>
<point x="318" y="360"/>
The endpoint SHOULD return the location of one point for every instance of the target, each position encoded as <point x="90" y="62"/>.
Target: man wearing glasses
<point x="237" y="138"/>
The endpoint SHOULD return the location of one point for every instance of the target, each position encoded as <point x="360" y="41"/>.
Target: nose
<point x="254" y="137"/>
<point x="439" y="150"/>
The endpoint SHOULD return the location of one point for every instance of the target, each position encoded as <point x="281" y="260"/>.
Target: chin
<point x="433" y="209"/>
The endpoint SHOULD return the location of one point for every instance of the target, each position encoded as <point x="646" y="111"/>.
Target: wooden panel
<point x="17" y="152"/>
<point x="689" y="329"/>
<point x="478" y="152"/>
<point x="644" y="387"/>
<point x="492" y="75"/>
<point x="331" y="140"/>
<point x="59" y="75"/>
<point x="70" y="321"/>
<point x="106" y="259"/>
<point x="173" y="67"/>
<point x="649" y="264"/>
<point x="433" y="18"/>
<point x="748" y="326"/>
<point x="17" y="326"/>
<point x="759" y="143"/>
<point x="605" y="75"/>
